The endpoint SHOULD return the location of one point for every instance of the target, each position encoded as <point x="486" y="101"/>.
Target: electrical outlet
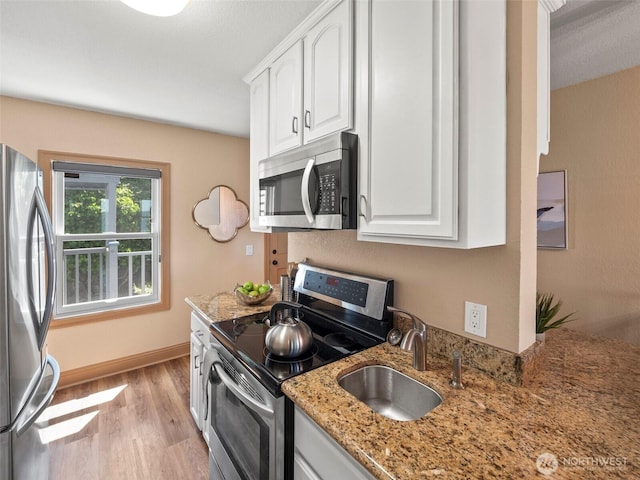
<point x="475" y="319"/>
<point x="249" y="250"/>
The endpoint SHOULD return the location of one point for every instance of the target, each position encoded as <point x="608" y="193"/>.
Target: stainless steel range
<point x="249" y="419"/>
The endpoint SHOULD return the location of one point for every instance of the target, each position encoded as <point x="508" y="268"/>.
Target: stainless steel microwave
<point x="312" y="187"/>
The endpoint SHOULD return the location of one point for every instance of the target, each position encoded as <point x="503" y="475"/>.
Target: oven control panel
<point x="343" y="289"/>
<point x="359" y="293"/>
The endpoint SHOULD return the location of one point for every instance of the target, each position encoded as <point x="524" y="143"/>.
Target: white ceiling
<point x="101" y="55"/>
<point x="592" y="38"/>
<point x="187" y="70"/>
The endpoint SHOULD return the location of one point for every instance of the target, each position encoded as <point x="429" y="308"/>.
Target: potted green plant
<point x="546" y="310"/>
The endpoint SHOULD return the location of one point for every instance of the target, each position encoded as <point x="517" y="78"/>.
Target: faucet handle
<point x="418" y="324"/>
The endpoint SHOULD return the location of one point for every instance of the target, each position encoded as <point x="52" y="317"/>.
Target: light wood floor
<point x="144" y="432"/>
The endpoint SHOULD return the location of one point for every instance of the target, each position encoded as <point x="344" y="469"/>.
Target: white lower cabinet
<point x="199" y="347"/>
<point x="195" y="363"/>
<point x="318" y="457"/>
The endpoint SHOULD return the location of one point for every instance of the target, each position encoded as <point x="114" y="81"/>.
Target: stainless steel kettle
<point x="288" y="337"/>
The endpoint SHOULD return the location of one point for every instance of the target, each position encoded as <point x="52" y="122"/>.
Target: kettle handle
<point x="280" y="306"/>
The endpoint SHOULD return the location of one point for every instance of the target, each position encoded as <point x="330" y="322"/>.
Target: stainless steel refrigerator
<point x="28" y="375"/>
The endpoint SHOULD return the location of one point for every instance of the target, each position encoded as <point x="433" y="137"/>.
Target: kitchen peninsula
<point x="582" y="410"/>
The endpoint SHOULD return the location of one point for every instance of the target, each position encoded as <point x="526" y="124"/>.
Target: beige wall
<point x="199" y="161"/>
<point x="595" y="136"/>
<point x="433" y="282"/>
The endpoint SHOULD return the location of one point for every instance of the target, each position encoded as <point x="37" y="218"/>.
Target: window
<point x="108" y="222"/>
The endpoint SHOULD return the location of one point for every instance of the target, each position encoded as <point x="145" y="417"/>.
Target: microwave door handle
<point x="304" y="190"/>
<point x="254" y="405"/>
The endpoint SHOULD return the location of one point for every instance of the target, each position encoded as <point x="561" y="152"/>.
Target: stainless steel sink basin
<point x="390" y="393"/>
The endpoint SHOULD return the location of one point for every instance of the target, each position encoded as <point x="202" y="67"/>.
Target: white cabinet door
<point x="302" y="470"/>
<point x="317" y="456"/>
<point x="259" y="142"/>
<point x="195" y="388"/>
<point x="205" y="420"/>
<point x="408" y="169"/>
<point x="285" y="101"/>
<point x="328" y="67"/>
<point x="431" y="116"/>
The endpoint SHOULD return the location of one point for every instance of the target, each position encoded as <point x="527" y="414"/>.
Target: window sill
<point x="123" y="312"/>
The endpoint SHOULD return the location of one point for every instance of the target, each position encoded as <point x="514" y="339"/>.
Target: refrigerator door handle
<point x="23" y="426"/>
<point x="39" y="208"/>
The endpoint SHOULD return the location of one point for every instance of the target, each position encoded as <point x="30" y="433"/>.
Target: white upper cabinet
<point x="328" y="64"/>
<point x="303" y="90"/>
<point x="311" y="81"/>
<point x="545" y="9"/>
<point x="431" y="118"/>
<point x="259" y="116"/>
<point x="285" y="101"/>
<point x="258" y="140"/>
<point x="409" y="165"/>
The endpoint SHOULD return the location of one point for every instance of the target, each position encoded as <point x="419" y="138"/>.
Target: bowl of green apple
<point x="250" y="293"/>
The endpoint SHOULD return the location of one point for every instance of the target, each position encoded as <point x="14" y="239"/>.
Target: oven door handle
<point x="259" y="408"/>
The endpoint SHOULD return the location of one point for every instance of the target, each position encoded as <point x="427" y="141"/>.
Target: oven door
<point x="246" y="424"/>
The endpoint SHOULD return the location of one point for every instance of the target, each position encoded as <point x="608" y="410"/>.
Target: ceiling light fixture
<point x="159" y="8"/>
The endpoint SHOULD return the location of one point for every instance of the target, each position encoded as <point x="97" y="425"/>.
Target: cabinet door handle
<point x="307" y="119"/>
<point x="363" y="203"/>
<point x="294" y="125"/>
<point x="275" y="262"/>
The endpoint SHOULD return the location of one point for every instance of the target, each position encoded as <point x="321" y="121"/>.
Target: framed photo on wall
<point x="552" y="209"/>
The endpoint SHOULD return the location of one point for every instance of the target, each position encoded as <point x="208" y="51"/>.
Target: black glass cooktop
<point x="245" y="338"/>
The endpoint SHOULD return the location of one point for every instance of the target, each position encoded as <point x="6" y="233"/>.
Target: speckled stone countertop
<point x="582" y="410"/>
<point x="224" y="306"/>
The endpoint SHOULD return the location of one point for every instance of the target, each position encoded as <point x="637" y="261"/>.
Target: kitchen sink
<point x="390" y="393"/>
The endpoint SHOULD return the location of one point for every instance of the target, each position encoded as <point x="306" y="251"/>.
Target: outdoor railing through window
<point x="101" y="273"/>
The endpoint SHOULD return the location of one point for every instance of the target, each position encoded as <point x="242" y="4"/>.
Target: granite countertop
<point x="583" y="408"/>
<point x="224" y="306"/>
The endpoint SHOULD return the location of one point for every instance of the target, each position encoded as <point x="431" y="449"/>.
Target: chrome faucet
<point x="415" y="339"/>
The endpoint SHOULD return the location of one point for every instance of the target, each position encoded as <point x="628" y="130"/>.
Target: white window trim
<point x="106" y="305"/>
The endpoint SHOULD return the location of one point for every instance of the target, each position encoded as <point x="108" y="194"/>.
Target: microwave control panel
<point x="329" y="188"/>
